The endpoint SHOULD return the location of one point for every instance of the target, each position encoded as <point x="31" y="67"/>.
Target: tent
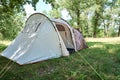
<point x="43" y="38"/>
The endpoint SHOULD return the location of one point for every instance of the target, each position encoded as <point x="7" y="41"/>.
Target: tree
<point x="16" y="5"/>
<point x="116" y="11"/>
<point x="55" y="13"/>
<point x="111" y="18"/>
<point x="101" y="17"/>
<point x="75" y="8"/>
<point x="85" y="23"/>
<point x="98" y="8"/>
<point x="119" y="29"/>
<point x="106" y="22"/>
<point x="11" y="25"/>
<point x="10" y="18"/>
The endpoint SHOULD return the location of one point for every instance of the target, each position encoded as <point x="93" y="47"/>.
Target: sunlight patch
<point x="112" y="51"/>
<point x="97" y="46"/>
<point x="111" y="40"/>
<point x="5" y="42"/>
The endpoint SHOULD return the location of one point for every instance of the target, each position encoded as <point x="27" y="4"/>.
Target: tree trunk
<point x="107" y="29"/>
<point x="95" y="24"/>
<point x="87" y="30"/>
<point x="94" y="34"/>
<point x="105" y="32"/>
<point x="119" y="30"/>
<point x="78" y="20"/>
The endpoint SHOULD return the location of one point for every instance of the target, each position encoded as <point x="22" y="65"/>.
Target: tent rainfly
<point x="42" y="39"/>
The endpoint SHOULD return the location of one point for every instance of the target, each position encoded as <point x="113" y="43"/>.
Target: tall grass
<point x="103" y="54"/>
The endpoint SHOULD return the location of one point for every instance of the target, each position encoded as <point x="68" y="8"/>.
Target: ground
<point x="101" y="61"/>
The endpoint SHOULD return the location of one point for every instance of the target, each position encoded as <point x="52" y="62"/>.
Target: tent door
<point x="64" y="36"/>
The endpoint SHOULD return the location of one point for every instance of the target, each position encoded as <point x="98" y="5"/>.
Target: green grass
<point x="103" y="56"/>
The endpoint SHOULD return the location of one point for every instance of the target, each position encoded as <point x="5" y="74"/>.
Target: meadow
<point x="101" y="61"/>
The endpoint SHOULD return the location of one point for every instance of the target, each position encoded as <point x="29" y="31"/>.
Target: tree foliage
<point x="10" y="26"/>
<point x="98" y="18"/>
<point x="75" y="9"/>
<point x="11" y="20"/>
<point x="55" y="13"/>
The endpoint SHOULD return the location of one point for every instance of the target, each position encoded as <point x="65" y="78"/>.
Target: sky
<point x="40" y="7"/>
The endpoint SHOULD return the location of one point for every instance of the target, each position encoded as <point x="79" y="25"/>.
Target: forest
<point x="98" y="18"/>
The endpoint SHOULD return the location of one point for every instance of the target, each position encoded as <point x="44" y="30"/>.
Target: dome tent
<point x="41" y="39"/>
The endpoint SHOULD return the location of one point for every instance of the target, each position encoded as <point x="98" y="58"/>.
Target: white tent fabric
<point x="39" y="41"/>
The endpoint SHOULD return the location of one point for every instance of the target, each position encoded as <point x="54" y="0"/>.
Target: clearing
<point x="103" y="55"/>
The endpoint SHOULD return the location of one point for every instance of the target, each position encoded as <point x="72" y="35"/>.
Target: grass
<point x="4" y="44"/>
<point x="103" y="54"/>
